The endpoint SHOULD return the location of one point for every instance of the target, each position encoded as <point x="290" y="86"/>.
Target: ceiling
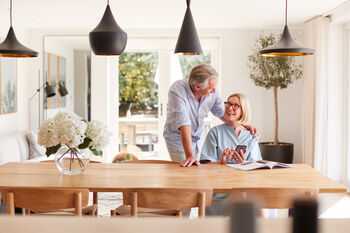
<point x="85" y="14"/>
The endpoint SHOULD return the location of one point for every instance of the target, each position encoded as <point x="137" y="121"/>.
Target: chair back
<point x="272" y="198"/>
<point x="47" y="200"/>
<point x="173" y="199"/>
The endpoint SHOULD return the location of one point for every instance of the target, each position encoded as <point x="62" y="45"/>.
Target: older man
<point x="189" y="102"/>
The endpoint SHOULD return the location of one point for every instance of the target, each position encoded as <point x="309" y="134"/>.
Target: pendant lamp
<point x="188" y="41"/>
<point x="286" y="46"/>
<point x="108" y="38"/>
<point x="11" y="47"/>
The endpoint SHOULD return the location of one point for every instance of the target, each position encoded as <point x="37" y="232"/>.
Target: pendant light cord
<point x="107" y="2"/>
<point x="286" y="14"/>
<point x="11" y="13"/>
<point x="188" y="2"/>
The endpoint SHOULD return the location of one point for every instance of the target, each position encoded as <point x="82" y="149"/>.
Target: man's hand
<point x="251" y="129"/>
<point x="189" y="162"/>
<point x="231" y="154"/>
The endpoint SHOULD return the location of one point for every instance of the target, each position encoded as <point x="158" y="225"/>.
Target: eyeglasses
<point x="234" y="106"/>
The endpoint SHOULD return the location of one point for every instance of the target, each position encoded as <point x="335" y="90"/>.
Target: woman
<point x="222" y="141"/>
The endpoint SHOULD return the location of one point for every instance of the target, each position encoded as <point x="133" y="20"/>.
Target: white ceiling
<point x="161" y="13"/>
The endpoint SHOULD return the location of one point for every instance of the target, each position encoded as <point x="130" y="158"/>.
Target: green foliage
<point x="270" y="72"/>
<point x="188" y="62"/>
<point x="136" y="80"/>
<point x="52" y="150"/>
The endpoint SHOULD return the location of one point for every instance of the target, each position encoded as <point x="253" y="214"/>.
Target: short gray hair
<point x="201" y="74"/>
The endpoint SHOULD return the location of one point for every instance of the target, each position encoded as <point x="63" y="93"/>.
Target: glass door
<point x="146" y="71"/>
<point x="139" y="103"/>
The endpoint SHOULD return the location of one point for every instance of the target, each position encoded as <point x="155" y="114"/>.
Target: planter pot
<point x="282" y="152"/>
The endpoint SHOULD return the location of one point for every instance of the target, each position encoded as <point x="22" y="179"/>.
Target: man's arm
<point x="186" y="139"/>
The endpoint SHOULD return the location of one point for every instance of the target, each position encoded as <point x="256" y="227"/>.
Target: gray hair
<point x="201" y="74"/>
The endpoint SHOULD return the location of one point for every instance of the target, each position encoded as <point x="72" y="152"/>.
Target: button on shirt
<point x="184" y="109"/>
<point x="223" y="136"/>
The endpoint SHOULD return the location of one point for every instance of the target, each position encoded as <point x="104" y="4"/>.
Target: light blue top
<point x="184" y="109"/>
<point x="223" y="136"/>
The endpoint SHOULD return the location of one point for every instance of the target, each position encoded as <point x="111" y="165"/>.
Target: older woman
<point x="222" y="141"/>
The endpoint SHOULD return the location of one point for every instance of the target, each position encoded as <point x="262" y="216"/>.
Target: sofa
<point x="19" y="146"/>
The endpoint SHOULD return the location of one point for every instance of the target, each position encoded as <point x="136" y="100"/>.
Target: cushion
<point x="35" y="150"/>
<point x="10" y="148"/>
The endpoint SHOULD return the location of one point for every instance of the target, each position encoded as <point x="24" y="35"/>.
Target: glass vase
<point x="71" y="161"/>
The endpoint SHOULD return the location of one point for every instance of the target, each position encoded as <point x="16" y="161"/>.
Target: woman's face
<point x="233" y="109"/>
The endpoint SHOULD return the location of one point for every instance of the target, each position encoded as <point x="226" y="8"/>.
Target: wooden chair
<point x="175" y="200"/>
<point x="275" y="198"/>
<point x="49" y="200"/>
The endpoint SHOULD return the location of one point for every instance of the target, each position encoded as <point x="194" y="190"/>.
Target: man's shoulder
<point x="179" y="85"/>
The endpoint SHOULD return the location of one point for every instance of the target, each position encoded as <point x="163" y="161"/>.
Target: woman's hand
<point x="231" y="154"/>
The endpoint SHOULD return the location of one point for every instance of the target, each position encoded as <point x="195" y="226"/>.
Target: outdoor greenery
<point x="136" y="83"/>
<point x="272" y="72"/>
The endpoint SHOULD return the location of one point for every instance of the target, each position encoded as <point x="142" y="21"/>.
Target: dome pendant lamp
<point x="286" y="46"/>
<point x="188" y="41"/>
<point x="108" y="38"/>
<point x="11" y="47"/>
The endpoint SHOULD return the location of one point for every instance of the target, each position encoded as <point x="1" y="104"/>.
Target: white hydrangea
<point x="47" y="134"/>
<point x="97" y="132"/>
<point x="65" y="128"/>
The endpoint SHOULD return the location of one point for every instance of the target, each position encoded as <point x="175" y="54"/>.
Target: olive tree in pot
<point x="273" y="73"/>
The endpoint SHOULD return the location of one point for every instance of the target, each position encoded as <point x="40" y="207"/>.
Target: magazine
<point x="252" y="165"/>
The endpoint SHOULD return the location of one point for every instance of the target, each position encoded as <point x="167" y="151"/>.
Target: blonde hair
<point x="201" y="74"/>
<point x="245" y="107"/>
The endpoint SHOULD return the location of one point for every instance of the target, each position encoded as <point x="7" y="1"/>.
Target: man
<point x="188" y="104"/>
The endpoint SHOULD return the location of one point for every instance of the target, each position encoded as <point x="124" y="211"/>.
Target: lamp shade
<point x="62" y="89"/>
<point x="286" y="47"/>
<point x="50" y="90"/>
<point x="11" y="47"/>
<point x="108" y="38"/>
<point x="188" y="42"/>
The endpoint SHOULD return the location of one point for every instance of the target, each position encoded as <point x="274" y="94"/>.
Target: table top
<point x="152" y="225"/>
<point x="119" y="177"/>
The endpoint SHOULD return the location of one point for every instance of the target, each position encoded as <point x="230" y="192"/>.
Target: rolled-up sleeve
<point x="218" y="107"/>
<point x="179" y="110"/>
<point x="210" y="147"/>
<point x="254" y="153"/>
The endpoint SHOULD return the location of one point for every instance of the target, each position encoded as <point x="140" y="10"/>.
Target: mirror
<point x="67" y="74"/>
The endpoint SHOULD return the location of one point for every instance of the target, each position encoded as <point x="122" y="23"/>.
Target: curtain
<point x="325" y="115"/>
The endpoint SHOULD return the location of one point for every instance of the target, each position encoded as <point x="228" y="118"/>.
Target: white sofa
<point x="17" y="146"/>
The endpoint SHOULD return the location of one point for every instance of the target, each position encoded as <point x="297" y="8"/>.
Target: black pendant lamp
<point x="188" y="41"/>
<point x="11" y="47"/>
<point x="108" y="38"/>
<point x="286" y="46"/>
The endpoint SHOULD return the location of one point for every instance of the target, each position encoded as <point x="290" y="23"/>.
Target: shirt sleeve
<point x="254" y="153"/>
<point x="218" y="107"/>
<point x="210" y="147"/>
<point x="179" y="110"/>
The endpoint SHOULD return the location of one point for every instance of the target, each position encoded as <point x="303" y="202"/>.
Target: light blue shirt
<point x="184" y="109"/>
<point x="223" y="136"/>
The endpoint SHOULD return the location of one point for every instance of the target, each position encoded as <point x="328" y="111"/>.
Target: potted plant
<point x="273" y="73"/>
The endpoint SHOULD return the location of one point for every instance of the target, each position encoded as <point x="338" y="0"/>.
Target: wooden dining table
<point x="103" y="177"/>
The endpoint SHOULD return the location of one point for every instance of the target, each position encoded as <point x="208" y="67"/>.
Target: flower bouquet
<point x="71" y="138"/>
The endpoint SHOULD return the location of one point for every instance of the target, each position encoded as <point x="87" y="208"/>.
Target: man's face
<point x="210" y="89"/>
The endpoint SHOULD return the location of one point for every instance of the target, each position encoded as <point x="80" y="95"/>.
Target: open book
<point x="252" y="165"/>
